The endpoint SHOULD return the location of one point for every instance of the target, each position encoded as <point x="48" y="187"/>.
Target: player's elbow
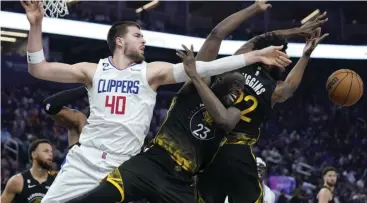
<point x="36" y="70"/>
<point x="216" y="33"/>
<point x="225" y="123"/>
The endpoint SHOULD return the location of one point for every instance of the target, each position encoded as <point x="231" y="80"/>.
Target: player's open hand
<point x="308" y="28"/>
<point x="262" y="5"/>
<point x="34" y="11"/>
<point x="273" y="55"/>
<point x="312" y="42"/>
<point x="188" y="60"/>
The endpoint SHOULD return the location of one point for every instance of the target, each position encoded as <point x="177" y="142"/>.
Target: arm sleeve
<point x="53" y="104"/>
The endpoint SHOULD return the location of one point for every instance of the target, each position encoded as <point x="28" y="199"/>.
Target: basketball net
<point x="55" y="8"/>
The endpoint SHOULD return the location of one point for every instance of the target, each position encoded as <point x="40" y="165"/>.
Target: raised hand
<point x="308" y="28"/>
<point x="188" y="60"/>
<point x="273" y="55"/>
<point x="34" y="11"/>
<point x="262" y="5"/>
<point x="311" y="43"/>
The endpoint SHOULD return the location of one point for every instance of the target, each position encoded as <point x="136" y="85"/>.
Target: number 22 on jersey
<point x="117" y="104"/>
<point x="246" y="99"/>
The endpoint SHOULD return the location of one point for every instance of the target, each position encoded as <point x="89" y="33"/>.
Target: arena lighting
<point x="8" y="39"/>
<point x="148" y="6"/>
<point x="13" y="34"/>
<point x="310" y="16"/>
<point x="170" y="41"/>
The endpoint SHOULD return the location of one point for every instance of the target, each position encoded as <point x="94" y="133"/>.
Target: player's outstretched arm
<point x="38" y="66"/>
<point x="69" y="118"/>
<point x="210" y="48"/>
<point x="223" y="117"/>
<point x="285" y="90"/>
<point x="13" y="186"/>
<point x="305" y="30"/>
<point x="161" y="73"/>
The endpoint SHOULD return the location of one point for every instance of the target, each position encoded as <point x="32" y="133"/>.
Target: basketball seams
<point x="333" y="75"/>
<point x="332" y="93"/>
<point x="337" y="91"/>
<point x="350" y="87"/>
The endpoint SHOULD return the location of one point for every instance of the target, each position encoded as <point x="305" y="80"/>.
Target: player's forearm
<point x="233" y="21"/>
<point x="294" y="78"/>
<point x="215" y="108"/>
<point x="216" y="67"/>
<point x="53" y="104"/>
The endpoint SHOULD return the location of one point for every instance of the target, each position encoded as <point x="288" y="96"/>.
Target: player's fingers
<point x="278" y="47"/>
<point x="280" y="62"/>
<point x="280" y="53"/>
<point x="192" y="48"/>
<point x="23" y="4"/>
<point x="186" y="49"/>
<point x="276" y="63"/>
<point x="269" y="5"/>
<point x="181" y="53"/>
<point x="322" y="38"/>
<point x="285" y="60"/>
<point x="318" y="32"/>
<point x="322" y="16"/>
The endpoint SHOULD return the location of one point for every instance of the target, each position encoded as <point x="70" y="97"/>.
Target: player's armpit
<point x="64" y="73"/>
<point x="282" y="92"/>
<point x="14" y="186"/>
<point x="70" y="118"/>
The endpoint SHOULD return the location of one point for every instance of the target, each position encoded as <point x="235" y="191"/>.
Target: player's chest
<point x="200" y="123"/>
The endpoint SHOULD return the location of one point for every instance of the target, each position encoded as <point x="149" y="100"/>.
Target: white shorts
<point x="82" y="171"/>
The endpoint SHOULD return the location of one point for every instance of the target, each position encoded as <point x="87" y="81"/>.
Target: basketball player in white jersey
<point x="122" y="95"/>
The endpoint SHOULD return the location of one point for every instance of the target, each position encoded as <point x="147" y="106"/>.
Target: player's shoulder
<point x="324" y="192"/>
<point x="15" y="183"/>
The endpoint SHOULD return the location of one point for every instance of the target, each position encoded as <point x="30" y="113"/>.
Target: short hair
<point x="271" y="39"/>
<point x="119" y="29"/>
<point x="33" y="146"/>
<point x="328" y="169"/>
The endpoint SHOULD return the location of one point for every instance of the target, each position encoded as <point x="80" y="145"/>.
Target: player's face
<point x="330" y="178"/>
<point x="134" y="44"/>
<point x="44" y="156"/>
<point x="261" y="171"/>
<point x="228" y="87"/>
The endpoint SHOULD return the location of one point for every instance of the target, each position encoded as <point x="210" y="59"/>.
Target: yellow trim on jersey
<point x="115" y="179"/>
<point x="259" y="199"/>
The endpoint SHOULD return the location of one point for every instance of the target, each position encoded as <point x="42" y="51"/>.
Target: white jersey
<point x="269" y="196"/>
<point x="121" y="108"/>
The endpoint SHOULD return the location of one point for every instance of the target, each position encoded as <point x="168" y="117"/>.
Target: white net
<point x="55" y="8"/>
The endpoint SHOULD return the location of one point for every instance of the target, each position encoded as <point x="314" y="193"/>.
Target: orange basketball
<point x="344" y="87"/>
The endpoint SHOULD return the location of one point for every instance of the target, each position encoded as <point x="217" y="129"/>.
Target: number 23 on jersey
<point x="253" y="105"/>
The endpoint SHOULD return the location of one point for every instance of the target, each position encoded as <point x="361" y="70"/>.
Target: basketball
<point x="344" y="87"/>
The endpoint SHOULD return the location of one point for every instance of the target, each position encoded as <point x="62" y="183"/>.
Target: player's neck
<point x="331" y="188"/>
<point x="38" y="172"/>
<point x="121" y="61"/>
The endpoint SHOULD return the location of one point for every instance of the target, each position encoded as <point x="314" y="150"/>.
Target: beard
<point x="44" y="164"/>
<point x="330" y="184"/>
<point x="133" y="55"/>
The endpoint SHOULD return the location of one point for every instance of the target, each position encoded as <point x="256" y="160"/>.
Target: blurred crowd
<point x="301" y="137"/>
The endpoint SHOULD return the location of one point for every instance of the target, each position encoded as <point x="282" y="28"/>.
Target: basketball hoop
<point x="55" y="8"/>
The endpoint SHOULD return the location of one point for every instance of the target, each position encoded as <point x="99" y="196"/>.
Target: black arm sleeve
<point x="53" y="104"/>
